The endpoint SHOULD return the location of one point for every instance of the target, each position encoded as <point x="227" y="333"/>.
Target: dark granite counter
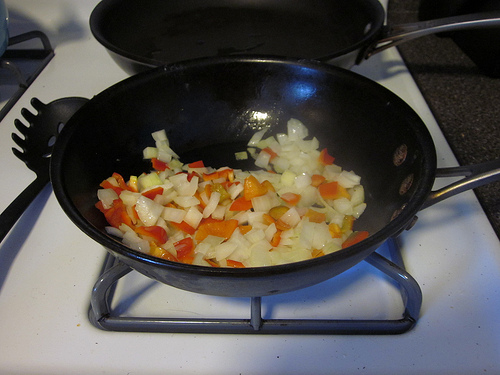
<point x="464" y="101"/>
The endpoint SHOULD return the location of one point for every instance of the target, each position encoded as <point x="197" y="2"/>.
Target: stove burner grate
<point x="24" y="65"/>
<point x="101" y="316"/>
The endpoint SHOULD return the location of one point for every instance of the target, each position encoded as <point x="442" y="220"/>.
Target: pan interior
<point x="210" y="110"/>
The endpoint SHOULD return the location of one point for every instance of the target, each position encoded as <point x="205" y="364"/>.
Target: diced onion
<point x="193" y="217"/>
<point x="291" y="217"/>
<point x="107" y="196"/>
<point x="256" y="137"/>
<point x="212" y="204"/>
<point x="175" y="215"/>
<point x="296" y="130"/>
<point x="187" y="198"/>
<point x="148" y="210"/>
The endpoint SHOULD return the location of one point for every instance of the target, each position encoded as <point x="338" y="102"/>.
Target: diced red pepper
<point x="212" y="263"/>
<point x="315" y="216"/>
<point x="268" y="185"/>
<point x="185" y="250"/>
<point x="241" y="204"/>
<point x="245" y="228"/>
<point x="227" y="173"/>
<point x="116" y="214"/>
<point x="269" y="151"/>
<point x="183" y="226"/>
<point x="234" y="264"/>
<point x="332" y="190"/>
<point x="191" y="175"/>
<point x="317" y="179"/>
<point x="218" y="228"/>
<point x="108" y="185"/>
<point x="354" y="238"/>
<point x="210" y="176"/>
<point x="121" y="182"/>
<point x="268" y="219"/>
<point x="291" y="198"/>
<point x="317" y="253"/>
<point x="152" y="193"/>
<point x="157" y="233"/>
<point x="196" y="164"/>
<point x="159" y="252"/>
<point x="325" y="158"/>
<point x="275" y="241"/>
<point x="159" y="165"/>
<point x="253" y="188"/>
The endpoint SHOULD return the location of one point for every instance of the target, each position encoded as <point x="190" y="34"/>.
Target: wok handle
<point x="475" y="176"/>
<point x="395" y="35"/>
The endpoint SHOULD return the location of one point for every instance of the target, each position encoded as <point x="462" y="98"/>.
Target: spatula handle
<point x="13" y="212"/>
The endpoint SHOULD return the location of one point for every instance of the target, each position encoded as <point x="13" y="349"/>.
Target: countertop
<point x="464" y="100"/>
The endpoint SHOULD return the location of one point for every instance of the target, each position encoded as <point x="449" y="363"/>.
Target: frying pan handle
<point x="395" y="35"/>
<point x="475" y="176"/>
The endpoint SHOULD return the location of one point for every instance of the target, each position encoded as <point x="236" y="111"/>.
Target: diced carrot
<point x="332" y="190"/>
<point x="268" y="150"/>
<point x="196" y="164"/>
<point x="354" y="238"/>
<point x="159" y="165"/>
<point x="157" y="233"/>
<point x="152" y="193"/>
<point x="183" y="226"/>
<point x="253" y="188"/>
<point x="315" y="216"/>
<point x="218" y="228"/>
<point x="241" y="204"/>
<point x="325" y="158"/>
<point x="317" y="179"/>
<point x="291" y="198"/>
<point x="234" y="264"/>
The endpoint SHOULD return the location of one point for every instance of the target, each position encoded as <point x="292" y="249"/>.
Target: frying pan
<point x="143" y="34"/>
<point x="210" y="108"/>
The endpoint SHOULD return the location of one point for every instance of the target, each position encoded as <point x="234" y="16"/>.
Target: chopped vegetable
<point x="299" y="206"/>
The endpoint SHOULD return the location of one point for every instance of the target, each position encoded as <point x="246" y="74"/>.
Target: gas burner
<point x="102" y="316"/>
<point x="20" y="67"/>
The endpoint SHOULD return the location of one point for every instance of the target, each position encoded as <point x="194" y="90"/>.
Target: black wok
<point x="208" y="108"/>
<point x="142" y="34"/>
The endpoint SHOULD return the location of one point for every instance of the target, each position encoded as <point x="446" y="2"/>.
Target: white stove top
<point x="48" y="267"/>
